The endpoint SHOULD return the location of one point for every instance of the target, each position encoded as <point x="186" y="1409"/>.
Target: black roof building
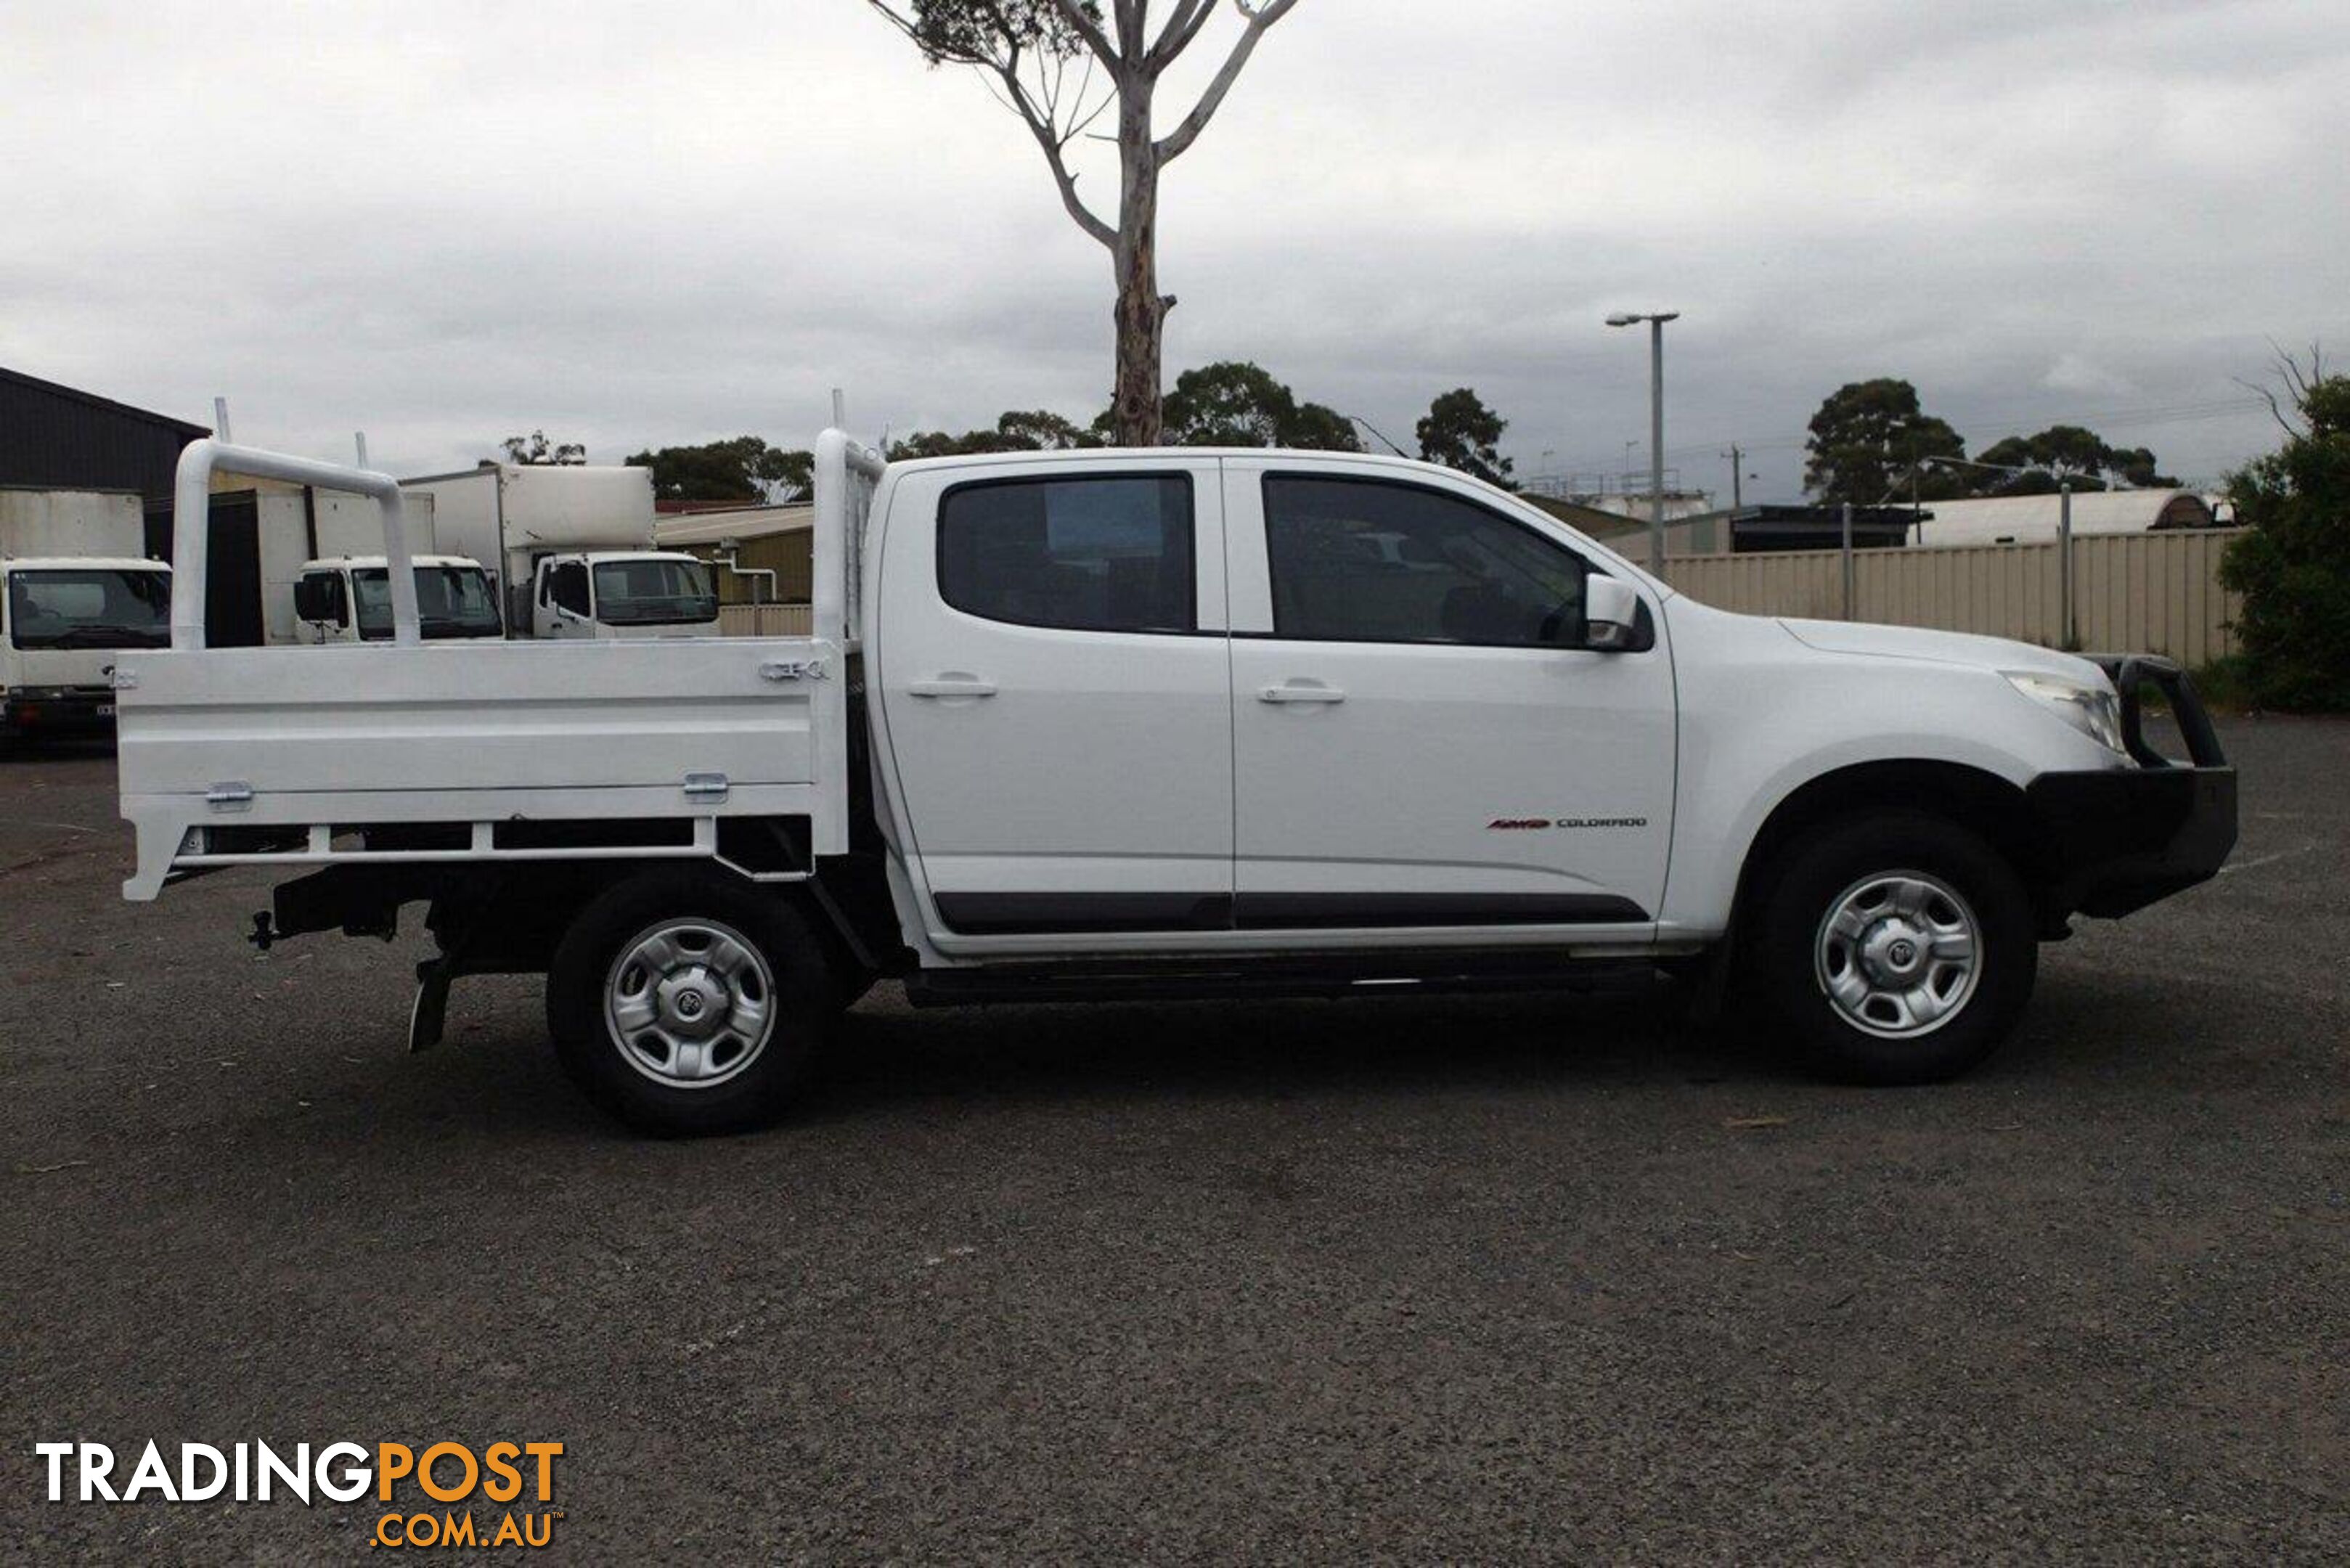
<point x="56" y="438"/>
<point x="1767" y="528"/>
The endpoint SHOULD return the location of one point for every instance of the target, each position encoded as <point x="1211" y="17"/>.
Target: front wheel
<point x="683" y="1003"/>
<point x="1896" y="949"/>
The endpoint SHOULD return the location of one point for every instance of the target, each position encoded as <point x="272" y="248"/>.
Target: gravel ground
<point x="1501" y="1279"/>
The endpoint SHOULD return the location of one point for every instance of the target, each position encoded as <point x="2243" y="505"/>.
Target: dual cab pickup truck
<point x="1152" y="723"/>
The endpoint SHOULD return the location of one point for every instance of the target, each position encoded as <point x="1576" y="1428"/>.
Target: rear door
<point x="1048" y="650"/>
<point x="1420" y="742"/>
<point x="233" y="612"/>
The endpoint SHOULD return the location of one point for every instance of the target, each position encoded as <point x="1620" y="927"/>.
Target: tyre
<point x="684" y="1002"/>
<point x="1898" y="947"/>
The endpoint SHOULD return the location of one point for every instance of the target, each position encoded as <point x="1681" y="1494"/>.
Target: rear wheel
<point x="1896" y="949"/>
<point x="684" y="1002"/>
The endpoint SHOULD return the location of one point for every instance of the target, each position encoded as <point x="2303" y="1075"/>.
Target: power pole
<point x="1737" y="461"/>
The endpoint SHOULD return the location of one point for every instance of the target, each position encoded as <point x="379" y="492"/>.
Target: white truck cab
<point x="574" y="546"/>
<point x="348" y="598"/>
<point x="622" y="594"/>
<point x="1175" y="722"/>
<point x="64" y="621"/>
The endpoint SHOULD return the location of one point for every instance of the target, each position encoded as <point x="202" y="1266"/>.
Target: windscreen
<point x="90" y="606"/>
<point x="451" y="601"/>
<point x="654" y="593"/>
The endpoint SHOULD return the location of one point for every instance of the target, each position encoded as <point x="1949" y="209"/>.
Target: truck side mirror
<point x="1611" y="614"/>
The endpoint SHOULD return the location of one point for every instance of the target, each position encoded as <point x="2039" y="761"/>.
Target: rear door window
<point x="1093" y="553"/>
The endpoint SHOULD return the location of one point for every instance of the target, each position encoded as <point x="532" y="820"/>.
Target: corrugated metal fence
<point x="764" y="620"/>
<point x="2137" y="593"/>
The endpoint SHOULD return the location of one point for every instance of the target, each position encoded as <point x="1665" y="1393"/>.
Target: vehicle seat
<point x="1478" y="613"/>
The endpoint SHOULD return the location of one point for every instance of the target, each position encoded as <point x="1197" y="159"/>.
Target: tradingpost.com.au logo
<point x="410" y="1478"/>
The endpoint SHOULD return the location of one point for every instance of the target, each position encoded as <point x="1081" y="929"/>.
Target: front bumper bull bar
<point x="2121" y="838"/>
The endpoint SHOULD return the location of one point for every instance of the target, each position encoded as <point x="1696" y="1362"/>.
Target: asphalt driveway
<point x="1496" y="1278"/>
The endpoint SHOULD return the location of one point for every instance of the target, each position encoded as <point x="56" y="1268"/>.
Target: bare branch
<point x="2276" y="410"/>
<point x="1177" y="141"/>
<point x="903" y="24"/>
<point x="1000" y="74"/>
<point x="1053" y="142"/>
<point x="997" y="94"/>
<point x="1189" y="17"/>
<point x="1085" y="116"/>
<point x="1086" y="27"/>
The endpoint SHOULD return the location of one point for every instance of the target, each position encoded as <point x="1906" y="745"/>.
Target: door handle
<point x="952" y="686"/>
<point x="1298" y="692"/>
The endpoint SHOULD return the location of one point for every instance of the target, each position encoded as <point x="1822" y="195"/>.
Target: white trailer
<point x="66" y="522"/>
<point x="75" y="590"/>
<point x="1176" y="722"/>
<point x="573" y="550"/>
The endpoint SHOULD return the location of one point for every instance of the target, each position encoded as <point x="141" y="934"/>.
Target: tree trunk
<point x="1140" y="314"/>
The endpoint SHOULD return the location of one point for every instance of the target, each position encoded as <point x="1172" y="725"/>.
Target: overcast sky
<point x="651" y="224"/>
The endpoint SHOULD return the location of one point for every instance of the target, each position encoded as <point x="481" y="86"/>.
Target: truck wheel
<point x="1896" y="949"/>
<point x="683" y="1003"/>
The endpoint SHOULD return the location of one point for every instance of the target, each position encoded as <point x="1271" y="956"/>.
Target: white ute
<point x="1172" y="722"/>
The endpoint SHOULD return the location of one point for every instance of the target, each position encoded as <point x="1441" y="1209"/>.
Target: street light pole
<point x="1657" y="444"/>
<point x="1655" y="320"/>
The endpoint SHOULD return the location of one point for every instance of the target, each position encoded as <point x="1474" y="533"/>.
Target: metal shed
<point x="2033" y="519"/>
<point x="59" y="438"/>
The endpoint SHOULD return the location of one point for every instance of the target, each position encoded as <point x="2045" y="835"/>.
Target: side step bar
<point x="1323" y="975"/>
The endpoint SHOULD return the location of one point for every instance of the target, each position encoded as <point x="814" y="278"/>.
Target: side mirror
<point x="1611" y="614"/>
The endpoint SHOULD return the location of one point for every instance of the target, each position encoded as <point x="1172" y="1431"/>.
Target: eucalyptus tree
<point x="1063" y="66"/>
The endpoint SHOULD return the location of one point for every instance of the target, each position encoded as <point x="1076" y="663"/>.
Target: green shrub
<point x="2294" y="566"/>
<point x="2222" y="686"/>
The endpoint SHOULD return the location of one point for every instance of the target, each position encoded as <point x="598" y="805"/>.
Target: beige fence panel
<point x="2151" y="593"/>
<point x="764" y="620"/>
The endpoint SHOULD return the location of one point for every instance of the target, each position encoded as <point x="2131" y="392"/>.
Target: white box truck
<point x="1178" y="722"/>
<point x="263" y="537"/>
<point x="75" y="590"/>
<point x="348" y="599"/>
<point x="572" y="547"/>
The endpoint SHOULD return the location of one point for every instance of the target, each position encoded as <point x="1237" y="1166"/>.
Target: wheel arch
<point x="1974" y="797"/>
<point x="509" y="916"/>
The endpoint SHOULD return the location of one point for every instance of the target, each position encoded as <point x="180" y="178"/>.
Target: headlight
<point x="2095" y="711"/>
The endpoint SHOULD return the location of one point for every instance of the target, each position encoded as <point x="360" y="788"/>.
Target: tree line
<point x="1872" y="441"/>
<point x="1229" y="403"/>
<point x="1236" y="402"/>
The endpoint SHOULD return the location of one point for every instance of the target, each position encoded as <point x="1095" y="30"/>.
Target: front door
<point x="1049" y="652"/>
<point x="1420" y="740"/>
